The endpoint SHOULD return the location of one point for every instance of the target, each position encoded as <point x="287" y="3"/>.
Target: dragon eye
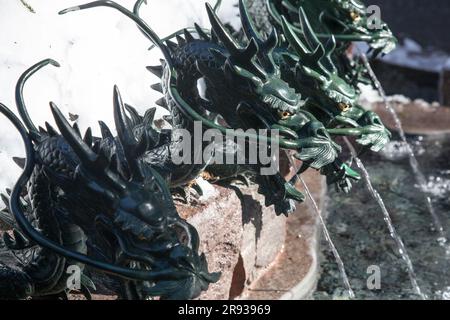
<point x="343" y="106"/>
<point x="355" y="16"/>
<point x="284" y="114"/>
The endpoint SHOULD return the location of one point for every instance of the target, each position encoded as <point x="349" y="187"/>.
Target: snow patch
<point x="208" y="189"/>
<point x="97" y="49"/>
<point x="412" y="55"/>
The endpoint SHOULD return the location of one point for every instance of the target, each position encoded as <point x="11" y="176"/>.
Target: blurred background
<point x="416" y="69"/>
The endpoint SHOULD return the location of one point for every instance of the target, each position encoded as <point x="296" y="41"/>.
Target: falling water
<point x="327" y="236"/>
<point x="418" y="174"/>
<point x="387" y="218"/>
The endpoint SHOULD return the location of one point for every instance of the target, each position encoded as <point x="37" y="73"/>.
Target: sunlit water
<point x="359" y="231"/>
<point x="327" y="237"/>
<point x="387" y="218"/>
<point x="419" y="176"/>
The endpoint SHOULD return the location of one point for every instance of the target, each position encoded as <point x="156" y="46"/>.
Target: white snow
<point x="413" y="55"/>
<point x="369" y="95"/>
<point x="209" y="191"/>
<point x="97" y="48"/>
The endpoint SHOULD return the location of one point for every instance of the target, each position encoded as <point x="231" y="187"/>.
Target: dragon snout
<point x="316" y="129"/>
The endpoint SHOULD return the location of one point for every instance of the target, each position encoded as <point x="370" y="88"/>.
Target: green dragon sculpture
<point x="108" y="202"/>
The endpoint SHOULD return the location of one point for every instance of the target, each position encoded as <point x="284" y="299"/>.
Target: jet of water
<point x="418" y="174"/>
<point x="326" y="233"/>
<point x="387" y="218"/>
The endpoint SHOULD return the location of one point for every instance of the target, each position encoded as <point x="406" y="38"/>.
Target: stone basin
<point x="417" y="117"/>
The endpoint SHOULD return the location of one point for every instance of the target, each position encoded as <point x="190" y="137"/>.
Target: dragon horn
<point x="326" y="60"/>
<point x="308" y="32"/>
<point x="265" y="46"/>
<point x="293" y="39"/>
<point x="242" y="56"/>
<point x="133" y="149"/>
<point x="94" y="163"/>
<point x="311" y="58"/>
<point x="247" y="24"/>
<point x="21" y="106"/>
<point x="222" y="33"/>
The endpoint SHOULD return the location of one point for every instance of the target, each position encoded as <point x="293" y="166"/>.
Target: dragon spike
<point x="308" y="32"/>
<point x="272" y="41"/>
<point x="188" y="36"/>
<point x="161" y="102"/>
<point x="133" y="149"/>
<point x="293" y="39"/>
<point x="92" y="162"/>
<point x="266" y="47"/>
<point x="214" y="38"/>
<point x="19" y="161"/>
<point x="221" y="32"/>
<point x="201" y="33"/>
<point x="149" y="116"/>
<point x="249" y="52"/>
<point x="247" y="24"/>
<point x="322" y="55"/>
<point x="123" y="125"/>
<point x="106" y="133"/>
<point x="313" y="57"/>
<point x="77" y="129"/>
<point x="239" y="55"/>
<point x="326" y="60"/>
<point x="156" y="70"/>
<point x="85" y="154"/>
<point x="135" y="117"/>
<point x="180" y="40"/>
<point x="50" y="130"/>
<point x="171" y="45"/>
<point x="88" y="137"/>
<point x="157" y="87"/>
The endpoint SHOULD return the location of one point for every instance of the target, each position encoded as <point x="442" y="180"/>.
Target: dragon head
<point x="136" y="212"/>
<point x="249" y="72"/>
<point x="347" y="20"/>
<point x="259" y="97"/>
<point x="315" y="72"/>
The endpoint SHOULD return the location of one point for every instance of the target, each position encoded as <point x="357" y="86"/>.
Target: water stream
<point x="418" y="174"/>
<point x="387" y="218"/>
<point x="326" y="233"/>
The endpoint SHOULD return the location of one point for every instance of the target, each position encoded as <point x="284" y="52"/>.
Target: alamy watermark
<point x="374" y="279"/>
<point x="374" y="17"/>
<point x="234" y="147"/>
<point x="74" y="280"/>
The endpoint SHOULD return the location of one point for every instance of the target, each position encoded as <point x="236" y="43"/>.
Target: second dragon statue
<point x="107" y="202"/>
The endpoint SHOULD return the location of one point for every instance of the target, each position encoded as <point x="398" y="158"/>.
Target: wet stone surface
<point x="361" y="236"/>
